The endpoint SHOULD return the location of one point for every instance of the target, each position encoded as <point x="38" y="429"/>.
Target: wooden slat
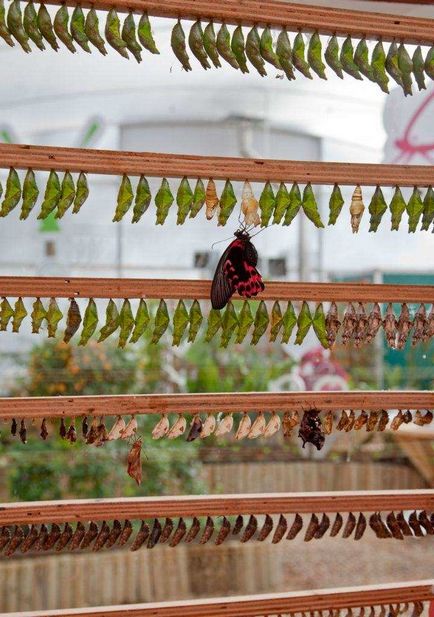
<point x="264" y="604"/>
<point x="46" y="287"/>
<point x="213" y="505"/>
<point x="126" y="404"/>
<point x="158" y="165"/>
<point x="275" y="13"/>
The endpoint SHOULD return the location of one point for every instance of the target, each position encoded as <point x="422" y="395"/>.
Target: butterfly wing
<point x="236" y="271"/>
<point x="222" y="287"/>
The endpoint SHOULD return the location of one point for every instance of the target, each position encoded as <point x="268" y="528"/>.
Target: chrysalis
<point x="54" y="315"/>
<point x="130" y="38"/>
<point x="178" y="428"/>
<point x="304" y="322"/>
<point x="249" y="206"/>
<point x="113" y="35"/>
<point x="195" y="321"/>
<point x="15" y="25"/>
<point x="267" y="204"/>
<point x="52" y="194"/>
<point x="211" y="199"/>
<point x="60" y="25"/>
<point x="81" y="194"/>
<point x="378" y="64"/>
<point x="163" y="201"/>
<point x="161" y="428"/>
<point x="238" y="48"/>
<point x="20" y="313"/>
<point x="198" y="198"/>
<point x="314" y="56"/>
<point x="356" y="209"/>
<point x="184" y="200"/>
<point x="78" y="29"/>
<point x="161" y="323"/>
<point x="227" y="203"/>
<point x="332" y="57"/>
<point x="261" y="322"/>
<point x="284" y="54"/>
<point x="144" y="32"/>
<point x="111" y="321"/>
<point x="210" y="44"/>
<point x="125" y="198"/>
<point x="126" y="323"/>
<point x="243" y="427"/>
<point x="298" y="56"/>
<point x="253" y="51"/>
<point x="90" y="322"/>
<point x="295" y="203"/>
<point x="46" y="28"/>
<point x="13" y="192"/>
<point x="335" y="205"/>
<point x="195" y="41"/>
<point x="180" y="322"/>
<point x="347" y="59"/>
<point x="258" y="426"/>
<point x="30" y="23"/>
<point x="177" y="42"/>
<point x="91" y="28"/>
<point x="141" y="321"/>
<point x="224" y="46"/>
<point x="73" y="321"/>
<point x="267" y="51"/>
<point x="67" y="195"/>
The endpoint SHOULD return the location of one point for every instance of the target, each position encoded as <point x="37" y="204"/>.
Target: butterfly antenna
<point x="220" y="241"/>
<point x="260" y="231"/>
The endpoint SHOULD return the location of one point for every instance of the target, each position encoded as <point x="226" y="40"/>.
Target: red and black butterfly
<point x="236" y="271"/>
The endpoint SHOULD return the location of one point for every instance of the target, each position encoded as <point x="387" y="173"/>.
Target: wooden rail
<point x="213" y="505"/>
<point x="126" y="404"/>
<point x="64" y="287"/>
<point x="277" y="14"/>
<point x="150" y="164"/>
<point x="264" y="604"/>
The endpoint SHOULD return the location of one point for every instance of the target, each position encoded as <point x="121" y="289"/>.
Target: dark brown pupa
<point x="102" y="537"/>
<point x="415" y="525"/>
<point x="5" y="536"/>
<point x="193" y="531"/>
<point x="239" y="523"/>
<point x="426" y="523"/>
<point x="126" y="532"/>
<point x="360" y="527"/>
<point x="42" y="536"/>
<point x="166" y="531"/>
<point x="180" y="532"/>
<point x="141" y="537"/>
<point x="89" y="536"/>
<point x="311" y="528"/>
<point x="195" y="428"/>
<point x="322" y="527"/>
<point x="52" y="537"/>
<point x="337" y="525"/>
<point x="64" y="537"/>
<point x="403" y="525"/>
<point x="114" y="534"/>
<point x="15" y="541"/>
<point x="78" y="536"/>
<point x="225" y="530"/>
<point x="295" y="528"/>
<point x="208" y="531"/>
<point x="155" y="534"/>
<point x="280" y="530"/>
<point x="250" y="529"/>
<point x="393" y="526"/>
<point x="349" y="525"/>
<point x="266" y="529"/>
<point x="30" y="539"/>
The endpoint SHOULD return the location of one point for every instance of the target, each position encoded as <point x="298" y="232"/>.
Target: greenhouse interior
<point x="217" y="308"/>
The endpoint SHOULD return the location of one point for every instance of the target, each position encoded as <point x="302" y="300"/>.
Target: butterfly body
<point x="236" y="272"/>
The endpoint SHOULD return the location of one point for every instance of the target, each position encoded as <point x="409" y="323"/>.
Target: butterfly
<point x="236" y="271"/>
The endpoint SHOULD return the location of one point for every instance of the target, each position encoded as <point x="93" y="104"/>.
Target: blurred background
<point x="87" y="101"/>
